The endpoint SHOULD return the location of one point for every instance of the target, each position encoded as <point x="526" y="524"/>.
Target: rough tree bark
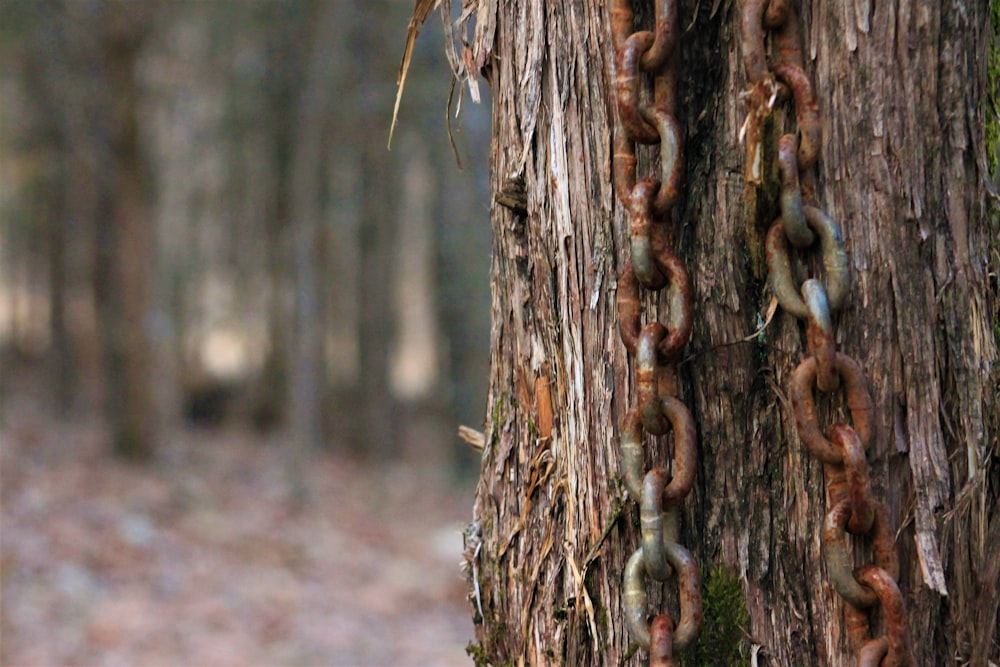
<point x="900" y="87"/>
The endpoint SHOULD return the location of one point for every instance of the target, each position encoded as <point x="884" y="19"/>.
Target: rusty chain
<point x="655" y="347"/>
<point x="853" y="507"/>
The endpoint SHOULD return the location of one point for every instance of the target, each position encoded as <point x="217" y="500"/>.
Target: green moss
<point x="633" y="648"/>
<point x="478" y="655"/>
<point x="497" y="415"/>
<point x="722" y="641"/>
<point x="603" y="622"/>
<point x="481" y="655"/>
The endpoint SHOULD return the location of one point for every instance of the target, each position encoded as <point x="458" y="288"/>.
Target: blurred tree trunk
<point x="130" y="235"/>
<point x="59" y="112"/>
<point x="308" y="218"/>
<point x="379" y="426"/>
<point x="462" y="283"/>
<point x="282" y="67"/>
<point x="63" y="380"/>
<point x="56" y="211"/>
<point x="901" y="92"/>
<point x="414" y="374"/>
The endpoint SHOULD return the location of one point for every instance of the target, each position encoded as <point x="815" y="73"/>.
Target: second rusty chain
<point x="655" y="347"/>
<point x="852" y="508"/>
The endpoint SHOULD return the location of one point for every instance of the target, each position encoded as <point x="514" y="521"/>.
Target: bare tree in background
<point x="312" y="120"/>
<point x="126" y="321"/>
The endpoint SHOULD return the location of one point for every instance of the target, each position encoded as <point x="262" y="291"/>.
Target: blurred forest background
<point x="201" y="218"/>
<point x="210" y="261"/>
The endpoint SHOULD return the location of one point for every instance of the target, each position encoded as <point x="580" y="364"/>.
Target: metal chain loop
<point x="678" y="298"/>
<point x="819" y="334"/>
<point x="689" y="583"/>
<point x="834" y="261"/>
<point x="856" y="472"/>
<point x="654" y="347"/>
<point x="859" y="404"/>
<point x="792" y="216"/>
<point x="661" y="642"/>
<point x="838" y="557"/>
<point x="852" y="505"/>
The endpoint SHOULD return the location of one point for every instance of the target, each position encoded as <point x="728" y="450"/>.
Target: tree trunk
<point x="307" y="380"/>
<point x="62" y="377"/>
<point x="130" y="236"/>
<point x="376" y="434"/>
<point x="378" y="424"/>
<point x="900" y="88"/>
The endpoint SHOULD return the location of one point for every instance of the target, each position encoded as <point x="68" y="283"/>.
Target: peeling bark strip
<point x="900" y="88"/>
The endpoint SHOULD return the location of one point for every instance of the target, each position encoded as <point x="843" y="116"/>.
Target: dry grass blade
<point x="472" y="437"/>
<point x="771" y="309"/>
<point x="420" y="12"/>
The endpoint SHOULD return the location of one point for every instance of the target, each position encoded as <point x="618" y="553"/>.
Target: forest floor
<point x="201" y="558"/>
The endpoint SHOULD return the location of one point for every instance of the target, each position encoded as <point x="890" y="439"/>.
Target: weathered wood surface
<point x="900" y="87"/>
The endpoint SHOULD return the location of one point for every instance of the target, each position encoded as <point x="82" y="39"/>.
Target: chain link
<point x="852" y="506"/>
<point x="655" y="347"/>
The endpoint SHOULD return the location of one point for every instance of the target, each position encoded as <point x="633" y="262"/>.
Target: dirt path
<point x="201" y="560"/>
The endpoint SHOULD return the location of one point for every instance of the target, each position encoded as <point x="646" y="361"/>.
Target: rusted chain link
<point x="655" y="347"/>
<point x="852" y="506"/>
